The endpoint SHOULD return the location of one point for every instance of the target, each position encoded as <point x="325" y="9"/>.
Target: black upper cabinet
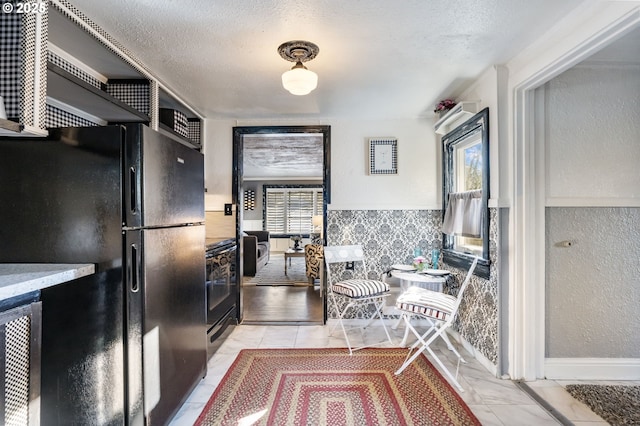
<point x="81" y="77"/>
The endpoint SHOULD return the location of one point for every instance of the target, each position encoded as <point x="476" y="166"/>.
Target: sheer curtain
<point x="464" y="214"/>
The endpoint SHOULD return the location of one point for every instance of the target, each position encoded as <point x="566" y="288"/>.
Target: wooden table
<point x="288" y="255"/>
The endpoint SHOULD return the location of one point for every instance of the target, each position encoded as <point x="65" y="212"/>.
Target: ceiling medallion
<point x="298" y="51"/>
<point x="299" y="80"/>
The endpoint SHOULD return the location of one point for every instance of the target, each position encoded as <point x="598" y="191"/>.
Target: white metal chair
<point x="440" y="311"/>
<point x="358" y="291"/>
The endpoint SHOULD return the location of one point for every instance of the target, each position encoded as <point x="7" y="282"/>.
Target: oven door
<point x="221" y="284"/>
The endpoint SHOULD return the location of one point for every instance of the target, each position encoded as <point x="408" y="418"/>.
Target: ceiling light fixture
<point x="299" y="80"/>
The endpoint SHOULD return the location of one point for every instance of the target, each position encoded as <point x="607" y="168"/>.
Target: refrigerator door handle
<point x="132" y="189"/>
<point x="135" y="272"/>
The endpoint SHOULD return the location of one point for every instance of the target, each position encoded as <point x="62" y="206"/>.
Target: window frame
<point x="288" y="188"/>
<point x="450" y="141"/>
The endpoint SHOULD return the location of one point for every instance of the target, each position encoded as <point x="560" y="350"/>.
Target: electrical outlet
<point x="349" y="266"/>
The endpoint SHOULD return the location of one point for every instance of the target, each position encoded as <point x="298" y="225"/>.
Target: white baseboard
<point x="592" y="368"/>
<point x="483" y="360"/>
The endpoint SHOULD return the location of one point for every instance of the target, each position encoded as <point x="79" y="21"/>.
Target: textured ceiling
<point x="378" y="58"/>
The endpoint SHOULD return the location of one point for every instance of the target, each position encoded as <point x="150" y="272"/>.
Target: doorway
<point x="281" y="185"/>
<point x="550" y="198"/>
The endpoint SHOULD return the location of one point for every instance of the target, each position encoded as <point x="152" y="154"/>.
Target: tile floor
<point x="493" y="401"/>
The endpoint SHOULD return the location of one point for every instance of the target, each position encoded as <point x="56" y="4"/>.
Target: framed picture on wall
<point x="382" y="156"/>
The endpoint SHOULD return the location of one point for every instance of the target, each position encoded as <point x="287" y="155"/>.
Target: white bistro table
<point x="417" y="279"/>
<point x="422" y="280"/>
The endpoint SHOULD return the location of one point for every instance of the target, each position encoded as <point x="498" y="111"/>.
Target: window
<point x="289" y="210"/>
<point x="466" y="192"/>
<point x="467" y="166"/>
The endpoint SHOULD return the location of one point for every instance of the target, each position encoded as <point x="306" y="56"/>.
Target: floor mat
<point x="617" y="404"/>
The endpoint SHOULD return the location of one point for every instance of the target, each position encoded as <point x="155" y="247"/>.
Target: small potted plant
<point x="419" y="262"/>
<point x="444" y="106"/>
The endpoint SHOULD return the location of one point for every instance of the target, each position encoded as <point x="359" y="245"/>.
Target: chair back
<point x="313" y="254"/>
<point x="464" y="286"/>
<point x="342" y="254"/>
<point x="436" y="306"/>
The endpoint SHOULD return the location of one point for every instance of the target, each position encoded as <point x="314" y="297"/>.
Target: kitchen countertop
<point x="213" y="243"/>
<point x="20" y="278"/>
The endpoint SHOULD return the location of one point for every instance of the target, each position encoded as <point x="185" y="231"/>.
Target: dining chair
<point x="355" y="291"/>
<point x="313" y="255"/>
<point x="440" y="310"/>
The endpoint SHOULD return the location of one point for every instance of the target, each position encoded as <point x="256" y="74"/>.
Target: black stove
<point x="222" y="288"/>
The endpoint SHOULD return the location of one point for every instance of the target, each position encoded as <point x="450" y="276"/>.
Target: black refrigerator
<point x="127" y="344"/>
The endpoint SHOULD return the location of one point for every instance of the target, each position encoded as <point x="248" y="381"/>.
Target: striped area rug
<point x="329" y="387"/>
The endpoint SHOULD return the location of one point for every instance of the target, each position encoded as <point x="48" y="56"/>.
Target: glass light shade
<point x="317" y="222"/>
<point x="299" y="81"/>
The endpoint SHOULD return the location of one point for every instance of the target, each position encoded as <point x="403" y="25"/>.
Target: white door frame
<point x="526" y="331"/>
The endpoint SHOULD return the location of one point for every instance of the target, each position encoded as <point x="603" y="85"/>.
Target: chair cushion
<point x="429" y="303"/>
<point x="360" y="288"/>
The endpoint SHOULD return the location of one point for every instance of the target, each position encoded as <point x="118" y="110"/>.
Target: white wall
<point x="218" y="163"/>
<point x="593" y="147"/>
<point x="416" y="186"/>
<point x="593" y="286"/>
<point x="572" y="40"/>
<point x="490" y="90"/>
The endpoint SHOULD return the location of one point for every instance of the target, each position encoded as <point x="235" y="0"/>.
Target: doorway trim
<point x="527" y="280"/>
<point x="237" y="184"/>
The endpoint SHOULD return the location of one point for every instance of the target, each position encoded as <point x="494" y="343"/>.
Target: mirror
<point x="466" y="193"/>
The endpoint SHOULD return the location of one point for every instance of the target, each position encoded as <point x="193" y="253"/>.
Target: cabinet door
<point x="20" y="332"/>
<point x="23" y="63"/>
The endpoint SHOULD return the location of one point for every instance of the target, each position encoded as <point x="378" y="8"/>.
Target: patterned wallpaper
<point x="477" y="320"/>
<point x="59" y="118"/>
<point x="389" y="236"/>
<point x="74" y="70"/>
<point x="10" y="62"/>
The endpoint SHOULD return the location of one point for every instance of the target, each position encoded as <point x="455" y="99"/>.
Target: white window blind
<point x="290" y="210"/>
<point x="275" y="212"/>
